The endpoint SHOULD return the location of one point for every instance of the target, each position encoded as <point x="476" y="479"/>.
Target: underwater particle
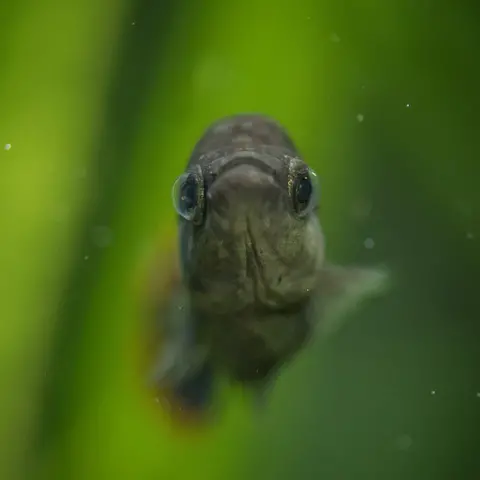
<point x="360" y="118"/>
<point x="470" y="236"/>
<point x="404" y="442"/>
<point x="408" y="105"/>
<point x="478" y="394"/>
<point x="7" y="146"/>
<point x="334" y="38"/>
<point x="369" y="243"/>
<point x="102" y="236"/>
<point x="133" y="23"/>
<point x="433" y="392"/>
<point x="85" y="257"/>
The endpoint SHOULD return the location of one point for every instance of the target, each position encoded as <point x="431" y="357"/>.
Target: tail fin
<point x="190" y="402"/>
<point x="178" y="373"/>
<point x="196" y="391"/>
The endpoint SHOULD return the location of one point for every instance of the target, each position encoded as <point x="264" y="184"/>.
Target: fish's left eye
<point x="304" y="192"/>
<point x="187" y="193"/>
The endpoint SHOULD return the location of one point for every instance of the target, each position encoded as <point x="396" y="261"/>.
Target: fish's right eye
<point x="304" y="192"/>
<point x="187" y="193"/>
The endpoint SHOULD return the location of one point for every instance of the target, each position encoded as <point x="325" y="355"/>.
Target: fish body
<point x="254" y="284"/>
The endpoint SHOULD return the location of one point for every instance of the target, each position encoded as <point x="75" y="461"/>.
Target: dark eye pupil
<point x="304" y="191"/>
<point x="188" y="194"/>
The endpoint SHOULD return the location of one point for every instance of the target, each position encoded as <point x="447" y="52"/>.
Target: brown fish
<point x="253" y="284"/>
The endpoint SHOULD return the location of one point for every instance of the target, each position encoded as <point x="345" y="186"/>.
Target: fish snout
<point x="245" y="192"/>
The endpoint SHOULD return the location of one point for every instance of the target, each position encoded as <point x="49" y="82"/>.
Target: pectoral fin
<point x="342" y="289"/>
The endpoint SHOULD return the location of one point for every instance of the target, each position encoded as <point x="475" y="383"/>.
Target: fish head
<point x="249" y="231"/>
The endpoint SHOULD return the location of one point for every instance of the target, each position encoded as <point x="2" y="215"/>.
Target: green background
<point x="102" y="102"/>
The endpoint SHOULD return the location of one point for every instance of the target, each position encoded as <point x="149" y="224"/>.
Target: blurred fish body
<point x="254" y="284"/>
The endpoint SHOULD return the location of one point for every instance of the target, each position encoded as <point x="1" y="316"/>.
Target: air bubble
<point x="369" y="243"/>
<point x="334" y="38"/>
<point x="404" y="442"/>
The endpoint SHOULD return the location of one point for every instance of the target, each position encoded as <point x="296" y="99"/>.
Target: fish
<point x="252" y="286"/>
